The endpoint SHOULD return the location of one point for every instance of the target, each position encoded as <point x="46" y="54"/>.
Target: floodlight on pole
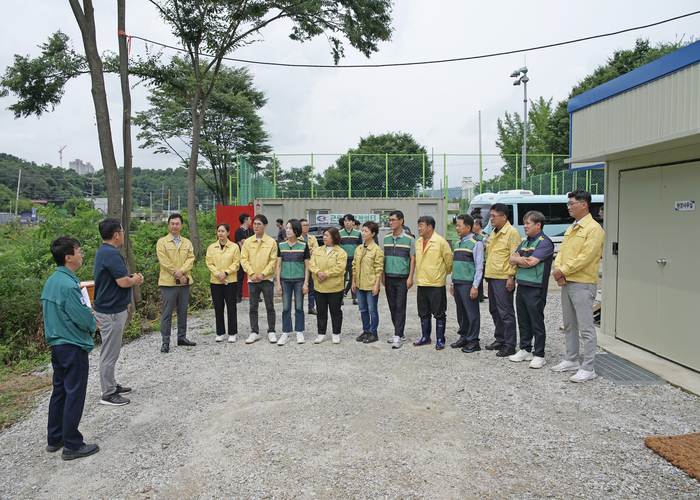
<point x="524" y="79"/>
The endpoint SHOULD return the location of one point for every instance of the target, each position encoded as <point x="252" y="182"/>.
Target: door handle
<point x="661" y="262"/>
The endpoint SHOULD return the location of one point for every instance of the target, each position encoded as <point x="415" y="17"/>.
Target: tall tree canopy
<point x="218" y="27"/>
<point x="230" y="128"/>
<point x="368" y="166"/>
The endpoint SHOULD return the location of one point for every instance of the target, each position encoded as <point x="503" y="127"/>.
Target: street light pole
<point x="524" y="79"/>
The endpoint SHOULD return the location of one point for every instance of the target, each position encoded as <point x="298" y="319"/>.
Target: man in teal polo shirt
<point x="68" y="322"/>
<point x="534" y="260"/>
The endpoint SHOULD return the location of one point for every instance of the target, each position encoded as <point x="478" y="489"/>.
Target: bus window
<point x="554" y="213"/>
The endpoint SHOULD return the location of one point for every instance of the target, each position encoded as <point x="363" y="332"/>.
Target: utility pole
<point x="17" y="199"/>
<point x="92" y="189"/>
<point x="60" y="152"/>
<point x="162" y="193"/>
<point x="178" y="203"/>
<point x="150" y="206"/>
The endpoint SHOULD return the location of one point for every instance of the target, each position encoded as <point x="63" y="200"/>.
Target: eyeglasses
<point x="393" y="220"/>
<point x="258" y="224"/>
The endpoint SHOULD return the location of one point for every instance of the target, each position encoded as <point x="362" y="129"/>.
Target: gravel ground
<point x="355" y="421"/>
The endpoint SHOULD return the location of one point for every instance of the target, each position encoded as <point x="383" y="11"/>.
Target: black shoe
<point x="460" y="343"/>
<point x="165" y="348"/>
<point x="506" y="351"/>
<point x="54" y="448"/>
<point x="354" y="302"/>
<point x="342" y="302"/>
<point x="123" y="390"/>
<point x="312" y="310"/>
<point x="494" y="346"/>
<point x="239" y="300"/>
<point x="186" y="342"/>
<point x="85" y="451"/>
<point x="362" y="336"/>
<point x="370" y="338"/>
<point x="114" y="399"/>
<point x="473" y="347"/>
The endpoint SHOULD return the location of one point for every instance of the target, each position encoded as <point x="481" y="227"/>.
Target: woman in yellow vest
<point x="223" y="259"/>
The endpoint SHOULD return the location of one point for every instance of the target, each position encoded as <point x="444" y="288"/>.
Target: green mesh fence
<point x="459" y="177"/>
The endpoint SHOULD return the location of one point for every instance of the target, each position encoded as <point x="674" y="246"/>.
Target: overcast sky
<point x="328" y="110"/>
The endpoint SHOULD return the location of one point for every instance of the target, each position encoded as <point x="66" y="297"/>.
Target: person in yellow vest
<point x="259" y="260"/>
<point x="367" y="269"/>
<point x="223" y="260"/>
<point x="327" y="267"/>
<point x="433" y="264"/>
<point x="502" y="243"/>
<point x="176" y="258"/>
<point x="576" y="271"/>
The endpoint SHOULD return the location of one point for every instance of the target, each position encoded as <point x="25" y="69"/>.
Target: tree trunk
<point x="86" y="21"/>
<point x="192" y="178"/>
<point x="126" y="135"/>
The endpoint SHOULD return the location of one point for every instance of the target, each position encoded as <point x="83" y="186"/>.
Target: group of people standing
<point x="299" y="264"/>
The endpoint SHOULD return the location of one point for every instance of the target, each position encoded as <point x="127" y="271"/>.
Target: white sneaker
<point x="219" y="338"/>
<point x="272" y="337"/>
<point x="566" y="366"/>
<point x="583" y="376"/>
<point x="521" y="355"/>
<point x="390" y="340"/>
<point x="232" y="338"/>
<point x="253" y="337"/>
<point x="397" y="342"/>
<point x="283" y="339"/>
<point x="319" y="339"/>
<point x="537" y="362"/>
<point x="336" y="339"/>
<point x="300" y="338"/>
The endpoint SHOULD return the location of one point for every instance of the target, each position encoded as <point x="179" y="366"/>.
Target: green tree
<point x="368" y="166"/>
<point x="219" y="27"/>
<point x="230" y="128"/>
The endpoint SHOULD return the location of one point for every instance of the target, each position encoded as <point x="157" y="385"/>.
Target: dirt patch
<point x="18" y="396"/>
<point x="682" y="451"/>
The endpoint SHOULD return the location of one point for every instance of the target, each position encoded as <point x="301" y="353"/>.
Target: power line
<point x="436" y="61"/>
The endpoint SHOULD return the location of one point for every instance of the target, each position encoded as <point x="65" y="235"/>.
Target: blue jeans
<point x="289" y="288"/>
<point x="368" y="310"/>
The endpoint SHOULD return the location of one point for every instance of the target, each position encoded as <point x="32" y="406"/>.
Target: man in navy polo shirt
<point x="112" y="298"/>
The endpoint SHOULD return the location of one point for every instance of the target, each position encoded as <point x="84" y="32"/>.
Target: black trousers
<point x="468" y="313"/>
<point x="432" y="300"/>
<point x="221" y="294"/>
<point x="348" y="280"/>
<point x="396" y="294"/>
<point x="530" y="302"/>
<point x="502" y="312"/>
<point x="240" y="275"/>
<point x="70" y="379"/>
<point x="325" y="301"/>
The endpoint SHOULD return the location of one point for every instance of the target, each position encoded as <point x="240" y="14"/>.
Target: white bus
<point x="520" y="202"/>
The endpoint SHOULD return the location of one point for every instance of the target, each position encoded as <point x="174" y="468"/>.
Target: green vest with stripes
<point x="463" y="265"/>
<point x="293" y="267"/>
<point x="397" y="257"/>
<point x="532" y="274"/>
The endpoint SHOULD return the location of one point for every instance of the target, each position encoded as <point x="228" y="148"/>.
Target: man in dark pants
<point x="68" y="322"/>
<point x="399" y="266"/>
<point x="350" y="239"/>
<point x="534" y="260"/>
<point x="433" y="264"/>
<point x="112" y="298"/>
<point x="502" y="243"/>
<point x="259" y="259"/>
<point x="242" y="233"/>
<point x="480" y="235"/>
<point x="176" y="258"/>
<point x="310" y="240"/>
<point x="281" y="231"/>
<point x="467" y="272"/>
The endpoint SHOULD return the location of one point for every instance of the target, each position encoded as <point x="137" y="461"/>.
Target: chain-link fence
<point x="458" y="177"/>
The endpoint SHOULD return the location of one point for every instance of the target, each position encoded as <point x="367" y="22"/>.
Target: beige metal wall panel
<point x="412" y="208"/>
<point x="661" y="110"/>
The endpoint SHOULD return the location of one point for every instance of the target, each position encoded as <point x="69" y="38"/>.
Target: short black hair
<point x="356" y="222"/>
<point x="62" y="246"/>
<point x="108" y="227"/>
<point x="466" y="219"/>
<point x="348" y="217"/>
<point x="296" y="226"/>
<point x="428" y="220"/>
<point x="303" y="220"/>
<point x="372" y="226"/>
<point x="280" y="221"/>
<point x="261" y="218"/>
<point x="335" y="234"/>
<point x="397" y="213"/>
<point x="243" y="217"/>
<point x="176" y="216"/>
<point x="500" y="208"/>
<point x="581" y="195"/>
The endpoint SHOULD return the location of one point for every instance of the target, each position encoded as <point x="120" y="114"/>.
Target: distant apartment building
<point x="82" y="168"/>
